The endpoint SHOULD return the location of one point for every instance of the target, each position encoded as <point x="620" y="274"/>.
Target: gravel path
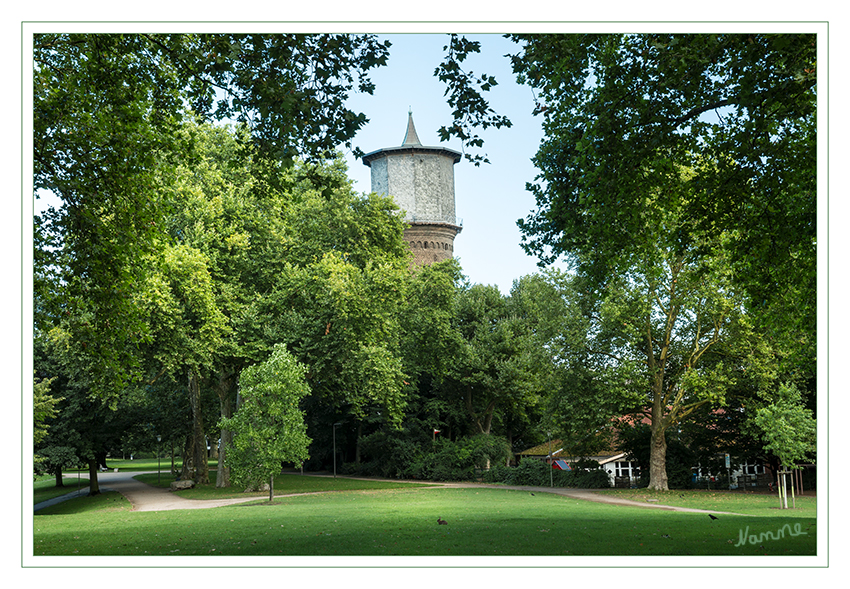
<point x="144" y="497"/>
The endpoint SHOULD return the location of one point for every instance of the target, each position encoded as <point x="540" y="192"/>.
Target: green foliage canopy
<point x="107" y="136"/>
<point x="623" y="114"/>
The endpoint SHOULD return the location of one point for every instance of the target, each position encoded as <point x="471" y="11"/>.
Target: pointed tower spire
<point x="410" y="138"/>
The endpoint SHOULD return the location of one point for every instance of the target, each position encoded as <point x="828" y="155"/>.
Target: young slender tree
<point x="268" y="425"/>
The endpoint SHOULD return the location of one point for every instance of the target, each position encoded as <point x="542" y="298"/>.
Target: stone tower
<point x="422" y="182"/>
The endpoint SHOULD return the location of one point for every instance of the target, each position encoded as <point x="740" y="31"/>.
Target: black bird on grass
<point x="712" y="516"/>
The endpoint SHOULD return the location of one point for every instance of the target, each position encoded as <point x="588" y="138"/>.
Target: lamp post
<point x="549" y="435"/>
<point x="334" y="433"/>
<point x="158" y="453"/>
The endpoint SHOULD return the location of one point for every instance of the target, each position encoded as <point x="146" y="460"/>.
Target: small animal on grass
<point x="442" y="522"/>
<point x="712" y="516"/>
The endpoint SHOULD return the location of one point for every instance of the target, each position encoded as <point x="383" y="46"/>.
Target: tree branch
<point x="695" y="112"/>
<point x="610" y="355"/>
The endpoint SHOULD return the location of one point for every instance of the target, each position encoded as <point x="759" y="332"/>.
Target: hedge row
<point x="467" y="459"/>
<point x="537" y="473"/>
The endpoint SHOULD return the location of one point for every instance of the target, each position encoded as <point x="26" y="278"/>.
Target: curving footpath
<point x="144" y="497"/>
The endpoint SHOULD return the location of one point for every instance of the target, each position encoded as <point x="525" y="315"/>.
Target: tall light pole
<point x="158" y="447"/>
<point x="334" y="430"/>
<point x="549" y="435"/>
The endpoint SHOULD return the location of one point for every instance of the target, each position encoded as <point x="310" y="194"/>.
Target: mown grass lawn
<point x="403" y="521"/>
<point x="734" y="501"/>
<point x="45" y="488"/>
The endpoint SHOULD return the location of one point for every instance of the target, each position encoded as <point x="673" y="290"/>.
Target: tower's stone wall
<point x="422" y="184"/>
<point x="431" y="242"/>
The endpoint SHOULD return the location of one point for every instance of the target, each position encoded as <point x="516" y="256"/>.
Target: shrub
<point x="458" y="460"/>
<point x="595" y="478"/>
<point x="487" y="451"/>
<point x="389" y="454"/>
<point x="498" y="474"/>
<point x="530" y="472"/>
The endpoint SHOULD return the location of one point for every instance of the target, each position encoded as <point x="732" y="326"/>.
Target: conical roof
<point x="411" y="144"/>
<point x="410" y="138"/>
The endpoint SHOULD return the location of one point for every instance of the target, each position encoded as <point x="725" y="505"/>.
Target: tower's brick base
<point x="431" y="242"/>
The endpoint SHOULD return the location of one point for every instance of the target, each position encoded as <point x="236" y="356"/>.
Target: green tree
<point x="187" y="330"/>
<point x="84" y="427"/>
<point x="428" y="345"/>
<point x="536" y="303"/>
<point x="103" y="110"/>
<point x="785" y="426"/>
<point x="623" y="114"/>
<point x="264" y="231"/>
<point x="55" y="458"/>
<point x="428" y="340"/>
<point x="463" y="92"/>
<point x="497" y="371"/>
<point x="224" y="207"/>
<point x="665" y="328"/>
<point x="107" y="136"/>
<point x="667" y="339"/>
<point x="337" y="301"/>
<point x="44" y="407"/>
<point x="268" y="425"/>
<point x="345" y="329"/>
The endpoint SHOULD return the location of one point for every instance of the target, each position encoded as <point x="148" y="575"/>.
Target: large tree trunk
<point x="58" y="473"/>
<point x="658" y="460"/>
<point x="222" y="478"/>
<point x="483" y="426"/>
<point x="226" y="390"/>
<point x="94" y="488"/>
<point x="488" y="418"/>
<point x="188" y="470"/>
<point x="199" y="440"/>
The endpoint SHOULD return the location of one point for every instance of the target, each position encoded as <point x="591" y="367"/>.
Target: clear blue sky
<point x="489" y="198"/>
